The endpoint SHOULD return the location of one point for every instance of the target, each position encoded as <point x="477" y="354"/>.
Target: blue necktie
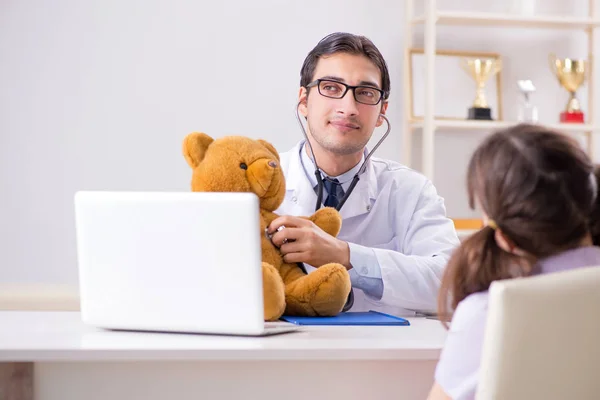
<point x="335" y="192"/>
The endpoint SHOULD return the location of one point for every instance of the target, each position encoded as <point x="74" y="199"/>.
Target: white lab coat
<point x="396" y="219"/>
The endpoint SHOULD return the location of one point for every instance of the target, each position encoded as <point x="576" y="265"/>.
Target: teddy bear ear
<point x="195" y="146"/>
<point x="270" y="147"/>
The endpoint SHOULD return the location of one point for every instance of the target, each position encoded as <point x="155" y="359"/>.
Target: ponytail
<point x="474" y="265"/>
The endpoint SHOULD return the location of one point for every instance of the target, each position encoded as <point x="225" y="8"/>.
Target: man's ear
<point x="270" y="147"/>
<point x="302" y="99"/>
<point x="382" y="112"/>
<point x="195" y="146"/>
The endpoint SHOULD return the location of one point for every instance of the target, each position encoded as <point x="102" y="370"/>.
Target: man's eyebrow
<point x="369" y="83"/>
<point x="361" y="83"/>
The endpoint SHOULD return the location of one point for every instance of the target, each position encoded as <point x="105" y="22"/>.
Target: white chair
<point x="542" y="338"/>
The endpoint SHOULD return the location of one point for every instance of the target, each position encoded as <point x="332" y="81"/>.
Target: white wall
<point x="99" y="95"/>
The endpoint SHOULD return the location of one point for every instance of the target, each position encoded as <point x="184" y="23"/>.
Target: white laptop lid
<point x="165" y="261"/>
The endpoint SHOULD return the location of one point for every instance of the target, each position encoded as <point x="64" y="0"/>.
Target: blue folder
<point x="349" y="318"/>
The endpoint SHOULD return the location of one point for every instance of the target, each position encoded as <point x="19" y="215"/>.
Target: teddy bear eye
<point x="243" y="166"/>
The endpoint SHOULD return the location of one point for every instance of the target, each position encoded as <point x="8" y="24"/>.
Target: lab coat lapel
<point x="363" y="196"/>
<point x="299" y="191"/>
<point x="302" y="198"/>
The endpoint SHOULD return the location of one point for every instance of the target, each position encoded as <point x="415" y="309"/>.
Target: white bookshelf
<point x="490" y="125"/>
<point x="509" y="20"/>
<point x="428" y="124"/>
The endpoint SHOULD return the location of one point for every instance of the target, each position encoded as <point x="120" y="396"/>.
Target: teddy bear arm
<point x="328" y="219"/>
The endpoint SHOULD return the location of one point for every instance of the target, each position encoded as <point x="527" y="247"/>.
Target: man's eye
<point x="243" y="166"/>
<point x="332" y="88"/>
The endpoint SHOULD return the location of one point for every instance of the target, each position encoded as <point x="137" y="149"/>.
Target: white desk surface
<point x="61" y="336"/>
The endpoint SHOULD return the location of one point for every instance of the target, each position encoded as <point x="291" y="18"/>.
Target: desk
<point x="72" y="361"/>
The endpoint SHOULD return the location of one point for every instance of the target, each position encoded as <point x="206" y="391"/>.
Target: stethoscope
<point x="356" y="178"/>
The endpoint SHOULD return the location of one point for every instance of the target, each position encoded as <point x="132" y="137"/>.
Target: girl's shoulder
<point x="471" y="310"/>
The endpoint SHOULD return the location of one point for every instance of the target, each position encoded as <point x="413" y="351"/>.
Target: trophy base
<point x="572" y="117"/>
<point x="480" y="113"/>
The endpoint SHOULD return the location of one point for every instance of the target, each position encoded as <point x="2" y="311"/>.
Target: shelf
<point x="510" y="20"/>
<point x="430" y="20"/>
<point x="492" y="125"/>
<point x="467" y="223"/>
<point x="466" y="227"/>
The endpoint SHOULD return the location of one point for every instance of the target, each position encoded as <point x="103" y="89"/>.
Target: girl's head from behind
<point x="537" y="191"/>
<point x="595" y="220"/>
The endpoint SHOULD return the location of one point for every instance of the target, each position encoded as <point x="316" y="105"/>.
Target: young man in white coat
<point x="395" y="239"/>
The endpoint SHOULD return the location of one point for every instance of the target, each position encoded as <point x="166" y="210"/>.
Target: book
<point x="373" y="318"/>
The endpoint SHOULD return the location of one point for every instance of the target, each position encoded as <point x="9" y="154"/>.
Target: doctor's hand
<point x="302" y="241"/>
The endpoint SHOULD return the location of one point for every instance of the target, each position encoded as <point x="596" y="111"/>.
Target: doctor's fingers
<point x="296" y="257"/>
<point x="287" y="235"/>
<point x="288" y="221"/>
<point x="292" y="247"/>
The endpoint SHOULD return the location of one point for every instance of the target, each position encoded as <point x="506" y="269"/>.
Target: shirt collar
<point x="309" y="169"/>
<point x="574" y="258"/>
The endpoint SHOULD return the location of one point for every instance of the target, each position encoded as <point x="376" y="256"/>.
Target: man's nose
<point x="347" y="104"/>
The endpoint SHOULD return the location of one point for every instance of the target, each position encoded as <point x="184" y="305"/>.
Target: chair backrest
<point x="542" y="338"/>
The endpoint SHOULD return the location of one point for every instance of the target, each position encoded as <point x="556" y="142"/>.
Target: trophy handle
<point x="497" y="66"/>
<point x="552" y="61"/>
<point x="464" y="64"/>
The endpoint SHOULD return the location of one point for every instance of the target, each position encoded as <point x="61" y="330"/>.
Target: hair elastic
<point x="492" y="224"/>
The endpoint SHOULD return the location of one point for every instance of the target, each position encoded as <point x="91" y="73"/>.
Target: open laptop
<point x="171" y="262"/>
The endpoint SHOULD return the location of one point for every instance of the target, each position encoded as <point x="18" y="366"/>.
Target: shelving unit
<point x="509" y="20"/>
<point x="473" y="125"/>
<point x="431" y="18"/>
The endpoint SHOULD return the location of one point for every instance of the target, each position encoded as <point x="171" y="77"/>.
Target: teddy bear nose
<point x="272" y="164"/>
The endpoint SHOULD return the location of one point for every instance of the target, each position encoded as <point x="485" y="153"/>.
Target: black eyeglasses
<point x="337" y="90"/>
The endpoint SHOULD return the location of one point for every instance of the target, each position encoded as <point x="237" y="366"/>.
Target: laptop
<point x="171" y="262"/>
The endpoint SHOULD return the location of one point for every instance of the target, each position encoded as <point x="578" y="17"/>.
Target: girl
<point x="537" y="192"/>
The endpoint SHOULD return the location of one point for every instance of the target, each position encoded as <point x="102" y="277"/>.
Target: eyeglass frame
<point x="317" y="83"/>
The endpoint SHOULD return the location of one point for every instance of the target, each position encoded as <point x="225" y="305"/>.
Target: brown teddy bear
<point x="241" y="164"/>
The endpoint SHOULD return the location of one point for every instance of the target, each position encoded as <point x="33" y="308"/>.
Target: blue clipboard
<point x="371" y="318"/>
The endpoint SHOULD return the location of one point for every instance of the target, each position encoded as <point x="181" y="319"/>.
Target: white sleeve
<point x="366" y="272"/>
<point x="411" y="278"/>
<point x="457" y="371"/>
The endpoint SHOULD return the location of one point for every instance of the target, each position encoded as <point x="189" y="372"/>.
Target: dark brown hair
<point x="595" y="218"/>
<point x="538" y="186"/>
<point x="341" y="42"/>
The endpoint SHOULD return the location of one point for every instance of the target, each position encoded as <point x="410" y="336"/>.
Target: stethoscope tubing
<point x="356" y="177"/>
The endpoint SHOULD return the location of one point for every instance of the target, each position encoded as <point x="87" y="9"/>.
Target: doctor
<point x="395" y="239"/>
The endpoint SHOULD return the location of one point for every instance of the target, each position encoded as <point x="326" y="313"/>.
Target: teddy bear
<point x="242" y="164"/>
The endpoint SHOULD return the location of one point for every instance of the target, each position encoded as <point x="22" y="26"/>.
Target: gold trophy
<point x="480" y="70"/>
<point x="571" y="75"/>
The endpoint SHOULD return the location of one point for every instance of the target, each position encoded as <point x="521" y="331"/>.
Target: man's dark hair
<point x="341" y="42"/>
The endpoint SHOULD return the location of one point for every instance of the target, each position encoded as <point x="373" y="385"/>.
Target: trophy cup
<point x="570" y="74"/>
<point x="480" y="70"/>
<point x="527" y="111"/>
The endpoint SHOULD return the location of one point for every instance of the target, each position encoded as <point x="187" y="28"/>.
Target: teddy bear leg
<point x="321" y="293"/>
<point x="273" y="293"/>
